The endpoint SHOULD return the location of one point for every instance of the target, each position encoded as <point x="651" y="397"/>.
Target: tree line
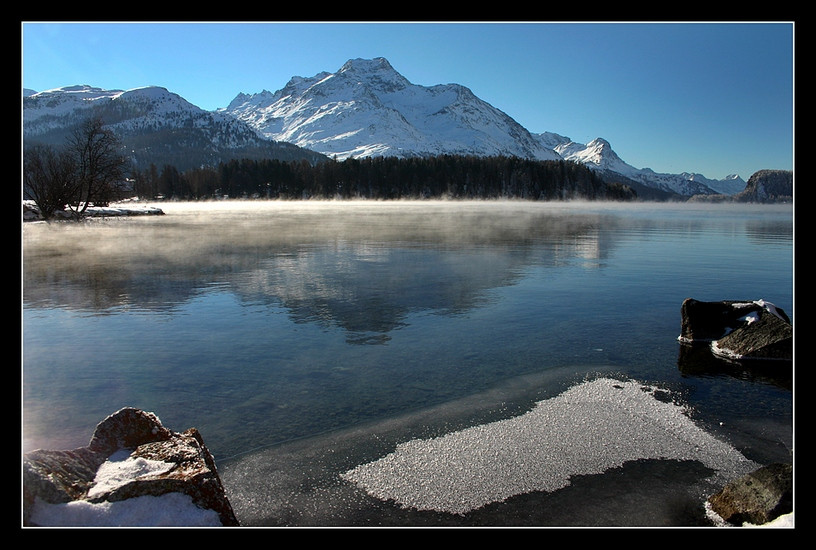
<point x="382" y="178"/>
<point x="91" y="169"/>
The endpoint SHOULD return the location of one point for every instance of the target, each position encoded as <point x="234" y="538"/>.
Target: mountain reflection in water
<point x="361" y="267"/>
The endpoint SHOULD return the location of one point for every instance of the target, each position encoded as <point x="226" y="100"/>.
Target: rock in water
<point x="169" y="463"/>
<point x="738" y="330"/>
<point x="756" y="498"/>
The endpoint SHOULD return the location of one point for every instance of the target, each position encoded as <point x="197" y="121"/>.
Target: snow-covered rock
<point x="738" y="330"/>
<point x="758" y="498"/>
<point x="134" y="472"/>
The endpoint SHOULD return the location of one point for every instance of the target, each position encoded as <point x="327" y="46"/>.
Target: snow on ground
<point x="781" y="521"/>
<point x="124" y="208"/>
<point x="168" y="510"/>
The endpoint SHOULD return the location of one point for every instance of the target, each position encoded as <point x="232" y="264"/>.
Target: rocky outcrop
<point x="764" y="186"/>
<point x="738" y="330"/>
<point x="166" y="463"/>
<point x="756" y="498"/>
<point x="768" y="186"/>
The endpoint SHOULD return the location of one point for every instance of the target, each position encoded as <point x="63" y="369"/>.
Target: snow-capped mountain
<point x="156" y="126"/>
<point x="368" y="109"/>
<point x="364" y="109"/>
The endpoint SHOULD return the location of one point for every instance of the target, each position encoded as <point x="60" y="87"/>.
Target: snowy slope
<point x="52" y="109"/>
<point x="597" y="154"/>
<point x="367" y="108"/>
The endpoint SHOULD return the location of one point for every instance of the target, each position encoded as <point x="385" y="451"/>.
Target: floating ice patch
<point x="589" y="429"/>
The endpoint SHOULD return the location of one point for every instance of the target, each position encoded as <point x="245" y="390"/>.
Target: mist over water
<point x="305" y="339"/>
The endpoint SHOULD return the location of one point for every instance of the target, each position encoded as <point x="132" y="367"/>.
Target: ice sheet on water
<point x="589" y="429"/>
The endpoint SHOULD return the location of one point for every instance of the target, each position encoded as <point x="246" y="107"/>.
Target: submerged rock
<point x="739" y="330"/>
<point x="130" y="455"/>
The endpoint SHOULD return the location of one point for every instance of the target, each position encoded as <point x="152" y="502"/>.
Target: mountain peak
<point x="599" y="143"/>
<point x="605" y="156"/>
<point x="376" y="72"/>
<point x="360" y="62"/>
<point x="367" y="108"/>
<point x="377" y="64"/>
<point x="78" y="91"/>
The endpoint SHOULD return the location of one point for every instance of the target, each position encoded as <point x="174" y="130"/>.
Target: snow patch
<point x="121" y="469"/>
<point x="168" y="510"/>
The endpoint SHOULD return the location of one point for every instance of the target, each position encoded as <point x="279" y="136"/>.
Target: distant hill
<point x="768" y="186"/>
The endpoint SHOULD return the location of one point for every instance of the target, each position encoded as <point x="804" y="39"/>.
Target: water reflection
<point x="361" y="268"/>
<point x="354" y="265"/>
<point x="697" y="360"/>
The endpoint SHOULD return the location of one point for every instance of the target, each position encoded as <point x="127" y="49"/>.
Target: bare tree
<point x="49" y="179"/>
<point x="99" y="164"/>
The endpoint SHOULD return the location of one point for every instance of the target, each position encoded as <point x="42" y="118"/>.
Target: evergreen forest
<point x="381" y="178"/>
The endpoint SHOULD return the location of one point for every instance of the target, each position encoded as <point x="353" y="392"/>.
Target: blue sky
<point x="711" y="98"/>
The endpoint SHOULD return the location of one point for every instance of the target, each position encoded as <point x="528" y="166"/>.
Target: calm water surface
<point x="264" y="324"/>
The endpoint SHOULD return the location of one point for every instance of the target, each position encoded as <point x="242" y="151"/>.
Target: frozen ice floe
<point x="589" y="429"/>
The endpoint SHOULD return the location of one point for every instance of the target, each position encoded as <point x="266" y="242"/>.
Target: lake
<point x="307" y="339"/>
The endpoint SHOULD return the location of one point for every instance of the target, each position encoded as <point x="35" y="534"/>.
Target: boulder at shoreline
<point x="134" y="472"/>
<point x="756" y="498"/>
